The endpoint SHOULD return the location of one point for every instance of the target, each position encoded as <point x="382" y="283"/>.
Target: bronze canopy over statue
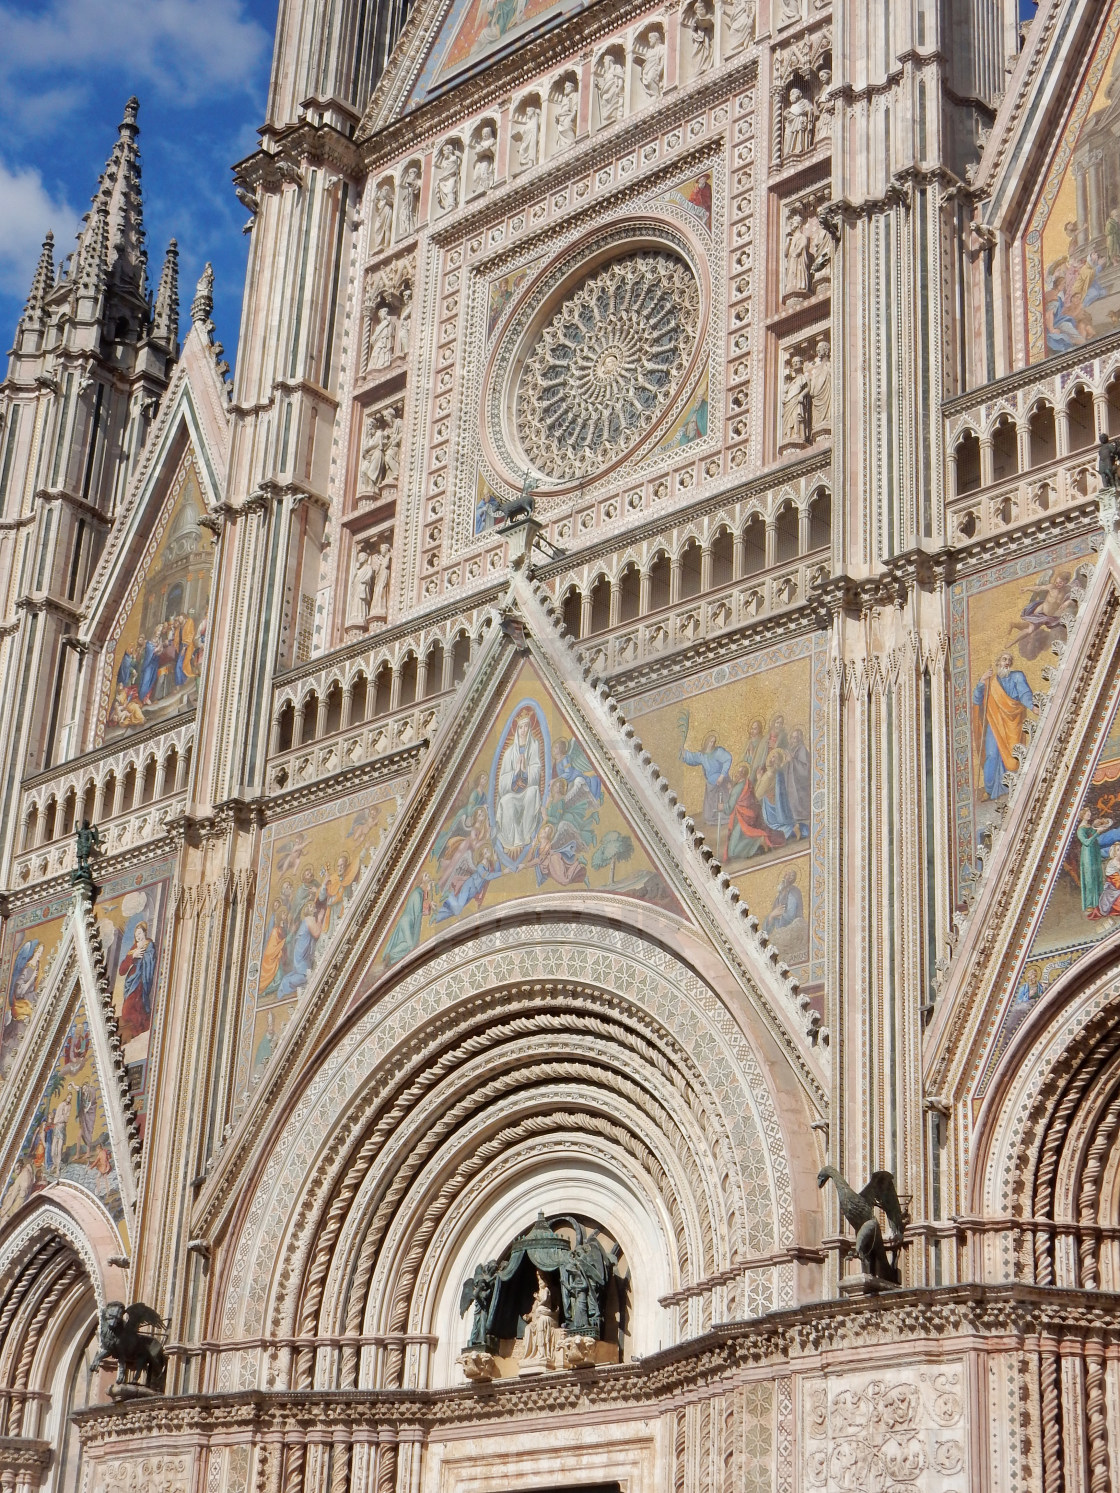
<point x="582" y="1272"/>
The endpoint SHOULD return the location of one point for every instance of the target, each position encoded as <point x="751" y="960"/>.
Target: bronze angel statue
<point x="478" y="1292"/>
<point x="878" y="1257"/>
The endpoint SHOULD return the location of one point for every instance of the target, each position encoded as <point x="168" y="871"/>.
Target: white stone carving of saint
<point x="740" y="24"/>
<point x="538" y="1346"/>
<point x="610" y="89"/>
<point x="820" y="391"/>
<point x="567" y="113"/>
<point x="652" y="67"/>
<point x="482" y="172"/>
<point x="393" y="436"/>
<point x="361" y="582"/>
<point x="404" y="323"/>
<point x="797" y="257"/>
<point x="527" y="135"/>
<point x="791" y="11"/>
<point x="447" y="165"/>
<point x="820" y="253"/>
<point x="381" y="338"/>
<point x="408" y="201"/>
<point x="379" y="599"/>
<point x="703" y="31"/>
<point x="796" y="405"/>
<point x="519" y="788"/>
<point x="381" y="225"/>
<point x="797" y="133"/>
<point x="371" y="473"/>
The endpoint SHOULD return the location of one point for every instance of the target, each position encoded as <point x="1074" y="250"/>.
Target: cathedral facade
<point x="559" y="829"/>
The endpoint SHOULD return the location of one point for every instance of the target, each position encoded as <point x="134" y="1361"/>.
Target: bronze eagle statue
<point x="877" y="1257"/>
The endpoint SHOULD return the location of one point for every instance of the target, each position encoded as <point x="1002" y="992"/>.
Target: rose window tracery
<point x="606" y="363"/>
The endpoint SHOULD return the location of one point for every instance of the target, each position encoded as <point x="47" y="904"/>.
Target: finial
<point x="165" y="314"/>
<point x="43" y="280"/>
<point x="131" y="110"/>
<point x="203" y="302"/>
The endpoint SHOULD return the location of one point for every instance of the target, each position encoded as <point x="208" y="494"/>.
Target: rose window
<point x="606" y="363"/>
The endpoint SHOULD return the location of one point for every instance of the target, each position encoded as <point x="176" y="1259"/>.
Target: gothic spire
<point x="118" y="198"/>
<point x="165" y="316"/>
<point x="90" y="257"/>
<point x="42" y="282"/>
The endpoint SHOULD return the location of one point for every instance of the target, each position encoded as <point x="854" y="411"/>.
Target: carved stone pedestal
<point x="864" y="1285"/>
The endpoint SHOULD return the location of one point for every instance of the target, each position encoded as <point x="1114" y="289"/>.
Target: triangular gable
<point x="532" y="818"/>
<point x="1078" y="883"/>
<point x="1072" y="245"/>
<point x="153" y="654"/>
<point x="1027" y="910"/>
<point x="475" y="33"/>
<point x="67" y="1142"/>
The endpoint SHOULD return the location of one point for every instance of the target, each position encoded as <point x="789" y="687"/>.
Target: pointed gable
<point x="67" y="1141"/>
<point x="1072" y="243"/>
<point x="155" y="648"/>
<point x="532" y="818"/>
<point x="475" y="33"/>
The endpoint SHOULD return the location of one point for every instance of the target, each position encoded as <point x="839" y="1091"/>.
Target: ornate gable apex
<point x="968" y="1033"/>
<point x="425" y="68"/>
<point x="1059" y="46"/>
<point x="708" y="917"/>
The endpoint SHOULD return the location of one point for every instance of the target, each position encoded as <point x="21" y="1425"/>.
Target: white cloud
<point x="27" y="210"/>
<point x="188" y="48"/>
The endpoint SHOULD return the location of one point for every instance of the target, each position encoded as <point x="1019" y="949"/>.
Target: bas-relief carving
<point x="67" y="1140"/>
<point x="310" y="868"/>
<point x="806" y="262"/>
<point x="155" y="650"/>
<point x="743" y="747"/>
<point x="1073" y="243"/>
<point x="161" y="1473"/>
<point x="1004" y="622"/>
<point x="898" y="1429"/>
<point x="805" y="413"/>
<point x="533" y="818"/>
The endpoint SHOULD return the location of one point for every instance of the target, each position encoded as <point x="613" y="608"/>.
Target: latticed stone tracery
<point x="606" y="363"/>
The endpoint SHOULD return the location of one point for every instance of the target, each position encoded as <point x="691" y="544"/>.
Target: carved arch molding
<point x="531" y="1048"/>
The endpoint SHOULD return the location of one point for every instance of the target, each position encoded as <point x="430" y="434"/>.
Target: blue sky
<point x="200" y="70"/>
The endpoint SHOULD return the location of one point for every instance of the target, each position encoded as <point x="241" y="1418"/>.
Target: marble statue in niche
<point x="380" y="460"/>
<point x="382" y="562"/>
<point x="404" y="322"/>
<point x="381" y="219"/>
<point x="790" y="12"/>
<point x="796" y="405"/>
<point x="408" y="200"/>
<point x="610" y="88"/>
<point x="484" y="148"/>
<point x="388" y="309"/>
<point x="798" y="120"/>
<point x="526" y="132"/>
<point x="566" y="113"/>
<point x="740" y="25"/>
<point x="448" y="162"/>
<point x="701" y="28"/>
<point x="795" y="257"/>
<point x="382" y="338"/>
<point x="649" y="56"/>
<point x="820" y="392"/>
<point x="361" y="588"/>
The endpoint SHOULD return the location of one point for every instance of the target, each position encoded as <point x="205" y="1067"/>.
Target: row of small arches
<point x="143" y="781"/>
<point x="1010" y="445"/>
<point x="664" y="579"/>
<point x="416" y="676"/>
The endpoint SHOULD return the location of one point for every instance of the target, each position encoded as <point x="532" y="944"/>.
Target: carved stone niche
<point x="805" y="392"/>
<point x="806" y="249"/>
<point x="802" y="78"/>
<point x="387" y="318"/>
<point x="379" y="455"/>
<point x="555" y="1299"/>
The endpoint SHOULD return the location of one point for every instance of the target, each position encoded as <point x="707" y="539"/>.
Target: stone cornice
<point x="1034" y="373"/>
<point x="780" y="1342"/>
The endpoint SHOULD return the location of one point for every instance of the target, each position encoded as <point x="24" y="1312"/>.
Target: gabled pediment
<point x="1051" y="178"/>
<point x="535" y="803"/>
<point x="148" y="604"/>
<point x="1033" y="917"/>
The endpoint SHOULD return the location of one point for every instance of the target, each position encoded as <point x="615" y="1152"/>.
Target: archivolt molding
<point x="311" y="1177"/>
